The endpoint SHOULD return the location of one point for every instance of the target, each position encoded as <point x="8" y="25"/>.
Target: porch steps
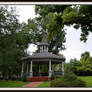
<point x="38" y="79"/>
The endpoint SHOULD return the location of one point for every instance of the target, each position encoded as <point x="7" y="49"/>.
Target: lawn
<point x="44" y="84"/>
<point x="4" y="83"/>
<point x="87" y="79"/>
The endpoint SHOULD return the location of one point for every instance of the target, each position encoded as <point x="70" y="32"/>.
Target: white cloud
<point x="26" y="12"/>
<point x="32" y="48"/>
<point x="74" y="47"/>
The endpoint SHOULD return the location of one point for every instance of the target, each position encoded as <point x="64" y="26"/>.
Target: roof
<point x="44" y="55"/>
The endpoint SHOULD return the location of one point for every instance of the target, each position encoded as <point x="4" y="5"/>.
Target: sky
<point x="74" y="47"/>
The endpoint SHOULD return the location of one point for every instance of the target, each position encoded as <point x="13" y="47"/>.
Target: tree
<point x="48" y="20"/>
<point x="77" y="15"/>
<point x="72" y="66"/>
<point x="13" y="42"/>
<point x="80" y="67"/>
<point x="80" y="17"/>
<point x="86" y="66"/>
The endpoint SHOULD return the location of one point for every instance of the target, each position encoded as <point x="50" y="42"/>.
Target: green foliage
<point x="24" y="78"/>
<point x="86" y="65"/>
<point x="13" y="42"/>
<point x="57" y="83"/>
<point x="68" y="80"/>
<point x="82" y="67"/>
<point x="80" y="83"/>
<point x="87" y="79"/>
<point x="57" y="76"/>
<point x="50" y="22"/>
<point x="70" y="15"/>
<point x="72" y="66"/>
<point x="43" y="10"/>
<point x="69" y="77"/>
<point x="56" y="67"/>
<point x="52" y="77"/>
<point x="44" y="69"/>
<point x="8" y="52"/>
<point x="80" y="17"/>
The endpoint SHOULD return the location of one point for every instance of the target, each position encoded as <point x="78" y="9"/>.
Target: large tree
<point x="86" y="66"/>
<point x="13" y="42"/>
<point x="80" y="67"/>
<point x="72" y="66"/>
<point x="80" y="16"/>
<point x="49" y="20"/>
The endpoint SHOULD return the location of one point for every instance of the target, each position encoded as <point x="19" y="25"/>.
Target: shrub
<point x="69" y="77"/>
<point x="81" y="83"/>
<point x="57" y="76"/>
<point x="52" y="77"/>
<point x="13" y="77"/>
<point x="58" y="83"/>
<point x="24" y="78"/>
<point x="19" y="78"/>
<point x="68" y="80"/>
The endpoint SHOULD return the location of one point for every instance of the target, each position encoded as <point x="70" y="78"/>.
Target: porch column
<point x="31" y="72"/>
<point x="22" y="72"/>
<point x="27" y="70"/>
<point x="50" y="68"/>
<point x="62" y="68"/>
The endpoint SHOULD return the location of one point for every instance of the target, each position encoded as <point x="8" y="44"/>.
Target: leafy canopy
<point x="80" y="17"/>
<point x="49" y="20"/>
<point x="13" y="42"/>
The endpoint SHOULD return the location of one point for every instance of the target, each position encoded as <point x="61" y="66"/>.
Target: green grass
<point x="4" y="83"/>
<point x="87" y="79"/>
<point x="44" y="84"/>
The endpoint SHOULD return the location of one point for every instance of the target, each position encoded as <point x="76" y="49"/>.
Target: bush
<point x="81" y="83"/>
<point x="24" y="78"/>
<point x="19" y="78"/>
<point x="13" y="77"/>
<point x="57" y="76"/>
<point x="69" y="77"/>
<point x="52" y="77"/>
<point x="58" y="83"/>
<point x="68" y="80"/>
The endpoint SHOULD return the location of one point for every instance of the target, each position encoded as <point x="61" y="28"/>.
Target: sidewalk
<point x="33" y="84"/>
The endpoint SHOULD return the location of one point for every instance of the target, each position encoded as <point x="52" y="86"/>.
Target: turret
<point x="43" y="45"/>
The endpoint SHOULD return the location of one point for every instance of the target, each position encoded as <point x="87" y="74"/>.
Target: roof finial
<point x="43" y="41"/>
<point x="44" y="37"/>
